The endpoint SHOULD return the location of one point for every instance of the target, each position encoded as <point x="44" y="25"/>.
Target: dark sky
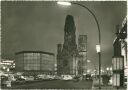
<point x="40" y="26"/>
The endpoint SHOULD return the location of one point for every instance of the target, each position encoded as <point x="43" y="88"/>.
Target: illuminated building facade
<point x="119" y="60"/>
<point x="35" y="61"/>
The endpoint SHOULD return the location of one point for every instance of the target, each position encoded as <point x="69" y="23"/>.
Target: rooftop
<point x="21" y="52"/>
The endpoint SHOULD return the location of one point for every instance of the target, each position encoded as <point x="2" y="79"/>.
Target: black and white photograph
<point x="63" y="45"/>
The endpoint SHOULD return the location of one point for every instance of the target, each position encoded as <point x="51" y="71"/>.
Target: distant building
<point x="37" y="61"/>
<point x="59" y="62"/>
<point x="82" y="49"/>
<point x="82" y="43"/>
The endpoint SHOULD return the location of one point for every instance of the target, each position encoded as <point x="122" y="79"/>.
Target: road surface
<point x="55" y="84"/>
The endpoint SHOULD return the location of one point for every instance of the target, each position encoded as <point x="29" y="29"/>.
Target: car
<point x="50" y="77"/>
<point x="36" y="78"/>
<point x="20" y="79"/>
<point x="28" y="78"/>
<point x="57" y="78"/>
<point x="42" y="76"/>
<point x="67" y="77"/>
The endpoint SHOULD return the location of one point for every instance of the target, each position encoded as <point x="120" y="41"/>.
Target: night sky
<point x="40" y="26"/>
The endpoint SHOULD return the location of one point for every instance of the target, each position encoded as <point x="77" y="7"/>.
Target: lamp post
<point x="98" y="48"/>
<point x="99" y="35"/>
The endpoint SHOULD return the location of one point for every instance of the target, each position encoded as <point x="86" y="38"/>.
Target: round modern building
<point x="35" y="61"/>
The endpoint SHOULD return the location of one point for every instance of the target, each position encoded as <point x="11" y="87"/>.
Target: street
<point x="55" y="84"/>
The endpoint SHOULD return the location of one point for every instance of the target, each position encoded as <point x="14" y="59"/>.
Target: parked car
<point x="36" y="78"/>
<point x="28" y="78"/>
<point x="42" y="76"/>
<point x="67" y="77"/>
<point x="50" y="77"/>
<point x="20" y="79"/>
<point x="57" y="77"/>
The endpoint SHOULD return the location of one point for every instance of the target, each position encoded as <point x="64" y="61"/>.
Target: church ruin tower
<point x="69" y="47"/>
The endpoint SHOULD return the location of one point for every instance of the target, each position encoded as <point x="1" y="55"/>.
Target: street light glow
<point x="107" y="68"/>
<point x="88" y="61"/>
<point x="4" y="67"/>
<point x="8" y="70"/>
<point x="88" y="71"/>
<point x="110" y="69"/>
<point x="64" y="3"/>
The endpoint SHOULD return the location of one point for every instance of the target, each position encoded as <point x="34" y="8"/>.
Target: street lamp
<point x="98" y="49"/>
<point x="88" y="61"/>
<point x="81" y="5"/>
<point x="107" y="68"/>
